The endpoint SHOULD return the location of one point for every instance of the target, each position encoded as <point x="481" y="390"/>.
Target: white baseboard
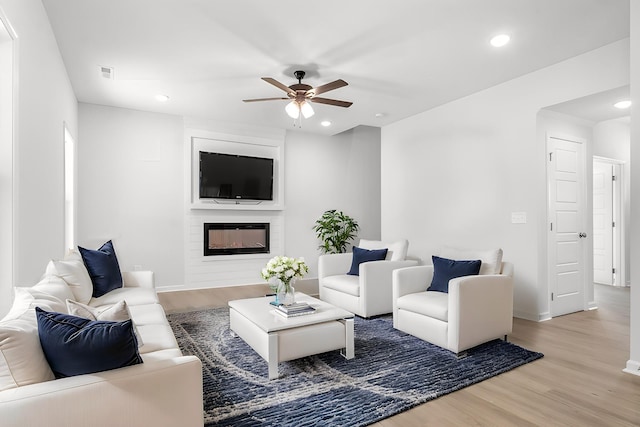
<point x="541" y="317"/>
<point x="633" y="367"/>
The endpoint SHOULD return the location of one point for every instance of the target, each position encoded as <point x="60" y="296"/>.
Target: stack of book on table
<point x="295" y="309"/>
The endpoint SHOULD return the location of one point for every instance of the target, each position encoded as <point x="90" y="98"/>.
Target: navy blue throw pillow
<point x="364" y="255"/>
<point x="103" y="268"/>
<point x="446" y="269"/>
<point x="75" y="346"/>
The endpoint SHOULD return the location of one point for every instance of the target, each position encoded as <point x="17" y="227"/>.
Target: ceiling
<point x="597" y="107"/>
<point x="399" y="58"/>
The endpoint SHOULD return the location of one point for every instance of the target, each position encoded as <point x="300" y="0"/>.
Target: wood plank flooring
<point x="579" y="382"/>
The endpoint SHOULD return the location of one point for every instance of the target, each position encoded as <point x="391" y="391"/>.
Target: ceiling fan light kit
<point x="306" y="109"/>
<point x="293" y="110"/>
<point x="302" y="94"/>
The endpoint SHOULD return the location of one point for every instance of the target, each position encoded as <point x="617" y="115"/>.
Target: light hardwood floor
<point x="579" y="382"/>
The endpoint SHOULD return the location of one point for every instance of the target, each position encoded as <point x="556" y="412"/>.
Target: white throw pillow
<point x="75" y="274"/>
<point x="55" y="286"/>
<point x="22" y="360"/>
<point x="26" y="299"/>
<point x="118" y="312"/>
<point x="491" y="259"/>
<point x="396" y="251"/>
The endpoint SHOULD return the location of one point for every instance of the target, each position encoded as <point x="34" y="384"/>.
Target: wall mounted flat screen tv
<point x="232" y="176"/>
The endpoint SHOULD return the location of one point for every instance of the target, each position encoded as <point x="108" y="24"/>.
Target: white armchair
<point x="477" y="309"/>
<point x="368" y="294"/>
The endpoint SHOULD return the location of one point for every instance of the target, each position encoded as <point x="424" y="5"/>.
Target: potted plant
<point x="335" y="230"/>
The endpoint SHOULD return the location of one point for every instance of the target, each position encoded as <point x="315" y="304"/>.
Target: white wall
<point x="453" y="175"/>
<point x="45" y="101"/>
<point x="633" y="364"/>
<point x="612" y="139"/>
<point x="339" y="172"/>
<point x="130" y="188"/>
<point x="134" y="189"/>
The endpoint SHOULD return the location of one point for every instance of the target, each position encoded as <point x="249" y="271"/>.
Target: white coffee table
<point x="278" y="339"/>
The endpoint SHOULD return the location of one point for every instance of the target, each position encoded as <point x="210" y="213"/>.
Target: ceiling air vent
<point x="106" y="72"/>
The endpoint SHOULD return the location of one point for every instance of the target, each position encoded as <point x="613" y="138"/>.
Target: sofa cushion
<point x="343" y="283"/>
<point x="22" y="361"/>
<point x="154" y="356"/>
<point x="75" y="274"/>
<point x="431" y="304"/>
<point x="133" y="296"/>
<point x="147" y="314"/>
<point x="396" y="251"/>
<point x="491" y="259"/>
<point x="75" y="346"/>
<point x="445" y="269"/>
<point x="157" y="337"/>
<point x="104" y="270"/>
<point x="118" y="312"/>
<point x="365" y="255"/>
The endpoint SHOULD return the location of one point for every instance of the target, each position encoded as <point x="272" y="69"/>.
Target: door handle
<point x="582" y="235"/>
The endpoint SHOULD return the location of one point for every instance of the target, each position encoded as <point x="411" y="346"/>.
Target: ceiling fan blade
<point x="263" y="99"/>
<point x="331" y="102"/>
<point x="329" y="86"/>
<point x="279" y="85"/>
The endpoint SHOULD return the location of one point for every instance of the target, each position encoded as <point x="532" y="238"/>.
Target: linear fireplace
<point x="236" y="238"/>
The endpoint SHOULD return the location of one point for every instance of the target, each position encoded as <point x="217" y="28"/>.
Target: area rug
<point x="392" y="372"/>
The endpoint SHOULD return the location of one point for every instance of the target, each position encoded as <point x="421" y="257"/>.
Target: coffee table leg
<point x="273" y="356"/>
<point x="348" y="352"/>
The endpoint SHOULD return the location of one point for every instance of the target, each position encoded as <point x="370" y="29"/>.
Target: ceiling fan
<point x="300" y="94"/>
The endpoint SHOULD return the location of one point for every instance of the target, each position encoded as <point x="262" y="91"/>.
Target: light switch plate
<point x="518" y="217"/>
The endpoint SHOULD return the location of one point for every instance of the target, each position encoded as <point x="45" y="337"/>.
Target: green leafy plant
<point x="335" y="230"/>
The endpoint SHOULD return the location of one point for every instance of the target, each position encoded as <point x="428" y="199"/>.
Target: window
<point x="69" y="189"/>
<point x="7" y="108"/>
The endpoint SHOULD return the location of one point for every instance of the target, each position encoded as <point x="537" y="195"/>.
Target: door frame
<point x="587" y="223"/>
<point x="618" y="217"/>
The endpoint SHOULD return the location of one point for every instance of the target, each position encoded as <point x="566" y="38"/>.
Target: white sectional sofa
<point x="164" y="390"/>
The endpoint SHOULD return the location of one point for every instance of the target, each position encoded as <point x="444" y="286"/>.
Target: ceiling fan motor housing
<point x="301" y="89"/>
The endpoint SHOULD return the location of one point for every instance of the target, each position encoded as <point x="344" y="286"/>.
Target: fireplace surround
<point x="223" y="238"/>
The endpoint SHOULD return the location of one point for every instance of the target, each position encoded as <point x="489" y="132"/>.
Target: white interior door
<point x="565" y="177"/>
<point x="603" y="264"/>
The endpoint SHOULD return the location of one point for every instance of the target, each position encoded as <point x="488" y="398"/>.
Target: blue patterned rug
<point x="392" y="372"/>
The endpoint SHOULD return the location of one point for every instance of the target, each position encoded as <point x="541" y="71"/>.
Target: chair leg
<point x="505" y="339"/>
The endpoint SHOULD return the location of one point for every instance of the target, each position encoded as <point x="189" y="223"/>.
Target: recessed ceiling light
<point x="622" y="104"/>
<point x="325" y="123"/>
<point x="379" y="115"/>
<point x="162" y="98"/>
<point x="500" y="40"/>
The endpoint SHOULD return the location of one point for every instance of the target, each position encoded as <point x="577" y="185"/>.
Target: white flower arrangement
<point x="282" y="270"/>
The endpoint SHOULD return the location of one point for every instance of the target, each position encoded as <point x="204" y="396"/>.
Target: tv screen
<point x="231" y="176"/>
